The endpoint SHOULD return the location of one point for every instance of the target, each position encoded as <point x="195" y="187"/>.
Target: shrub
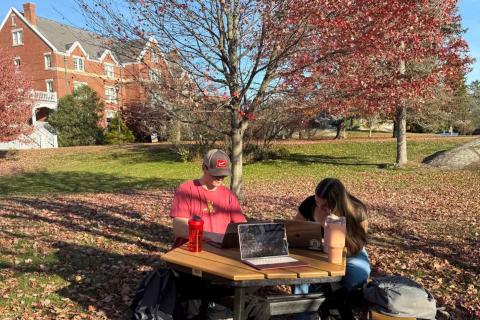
<point x="188" y="152"/>
<point x="111" y="134"/>
<point x="76" y="119"/>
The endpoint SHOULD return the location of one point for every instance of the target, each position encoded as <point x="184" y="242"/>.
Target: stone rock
<point x="462" y="157"/>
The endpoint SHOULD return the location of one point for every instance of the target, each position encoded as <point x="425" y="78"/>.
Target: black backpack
<point x="156" y="297"/>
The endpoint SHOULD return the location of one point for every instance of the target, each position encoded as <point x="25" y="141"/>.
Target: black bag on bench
<point x="400" y="297"/>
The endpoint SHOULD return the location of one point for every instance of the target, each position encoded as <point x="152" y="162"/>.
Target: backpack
<point x="400" y="297"/>
<point x="156" y="297"/>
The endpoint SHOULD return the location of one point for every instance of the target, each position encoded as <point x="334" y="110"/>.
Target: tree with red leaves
<point x="16" y="100"/>
<point x="397" y="52"/>
<point x="232" y="50"/>
<point x="344" y="56"/>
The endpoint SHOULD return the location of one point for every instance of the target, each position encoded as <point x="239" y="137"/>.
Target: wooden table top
<point x="226" y="263"/>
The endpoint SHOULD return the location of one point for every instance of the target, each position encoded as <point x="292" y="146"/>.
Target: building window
<point x="154" y="75"/>
<point x="110" y="115"/>
<point x="49" y="84"/>
<point x="154" y="56"/>
<point x="77" y="84"/>
<point x="110" y="95"/>
<point x="17" y="62"/>
<point x="78" y="64"/>
<point x="109" y="71"/>
<point x="48" y="61"/>
<point x="13" y="20"/>
<point x="17" y="36"/>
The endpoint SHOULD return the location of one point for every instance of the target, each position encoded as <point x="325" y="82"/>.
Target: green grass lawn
<point x="136" y="167"/>
<point x="79" y="226"/>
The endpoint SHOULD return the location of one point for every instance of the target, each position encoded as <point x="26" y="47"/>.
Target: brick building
<point x="57" y="58"/>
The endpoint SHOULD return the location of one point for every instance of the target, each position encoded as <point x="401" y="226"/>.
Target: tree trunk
<point x="341" y="132"/>
<point x="394" y="132"/>
<point x="401" y="120"/>
<point x="236" y="181"/>
<point x="174" y="131"/>
<point x="401" y="132"/>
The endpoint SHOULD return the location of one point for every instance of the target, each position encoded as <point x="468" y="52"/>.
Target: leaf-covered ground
<point x="79" y="226"/>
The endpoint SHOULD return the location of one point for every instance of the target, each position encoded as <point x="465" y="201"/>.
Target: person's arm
<point x="236" y="214"/>
<point x="180" y="227"/>
<point x="180" y="230"/>
<point x="299" y="217"/>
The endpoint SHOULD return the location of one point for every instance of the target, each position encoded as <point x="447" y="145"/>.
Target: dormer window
<point x="17" y="37"/>
<point x="109" y="70"/>
<point x="78" y="64"/>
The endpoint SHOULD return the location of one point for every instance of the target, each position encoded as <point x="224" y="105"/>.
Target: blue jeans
<point x="356" y="275"/>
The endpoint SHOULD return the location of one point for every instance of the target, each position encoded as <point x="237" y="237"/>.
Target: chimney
<point x="29" y="13"/>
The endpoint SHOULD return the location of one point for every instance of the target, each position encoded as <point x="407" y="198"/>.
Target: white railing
<point x="46" y="96"/>
<point x="39" y="138"/>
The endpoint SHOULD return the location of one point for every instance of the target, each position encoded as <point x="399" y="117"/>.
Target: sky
<point x="66" y="11"/>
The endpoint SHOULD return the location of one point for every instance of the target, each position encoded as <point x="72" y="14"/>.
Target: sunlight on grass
<point x="109" y="169"/>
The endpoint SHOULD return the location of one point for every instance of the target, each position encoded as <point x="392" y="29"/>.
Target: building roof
<point x="63" y="37"/>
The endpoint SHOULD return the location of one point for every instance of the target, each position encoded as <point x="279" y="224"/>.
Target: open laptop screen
<point x="262" y="240"/>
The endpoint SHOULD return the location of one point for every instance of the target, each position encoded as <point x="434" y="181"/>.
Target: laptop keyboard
<point x="271" y="260"/>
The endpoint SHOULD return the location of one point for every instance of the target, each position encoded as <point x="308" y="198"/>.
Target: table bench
<point x="223" y="267"/>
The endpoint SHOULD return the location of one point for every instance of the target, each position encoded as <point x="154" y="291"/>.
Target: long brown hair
<point x="343" y="204"/>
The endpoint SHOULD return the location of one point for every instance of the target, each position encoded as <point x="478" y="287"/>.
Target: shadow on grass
<point x="6" y="153"/>
<point x="38" y="183"/>
<point x="111" y="221"/>
<point x="134" y="154"/>
<point x="402" y="238"/>
<point x="324" y="159"/>
<point x="96" y="278"/>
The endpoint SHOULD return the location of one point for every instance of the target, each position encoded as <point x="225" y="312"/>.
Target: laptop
<point x="230" y="238"/>
<point x="304" y="234"/>
<point x="265" y="246"/>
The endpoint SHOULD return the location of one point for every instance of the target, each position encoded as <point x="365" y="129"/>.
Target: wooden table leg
<point x="239" y="304"/>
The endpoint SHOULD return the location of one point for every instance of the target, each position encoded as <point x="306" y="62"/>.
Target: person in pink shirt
<point x="217" y="206"/>
<point x="208" y="198"/>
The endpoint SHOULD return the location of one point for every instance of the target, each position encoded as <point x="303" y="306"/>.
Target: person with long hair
<point x="331" y="197"/>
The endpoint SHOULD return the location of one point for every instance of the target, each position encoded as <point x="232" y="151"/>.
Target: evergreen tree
<point x="76" y="119"/>
<point x="111" y="135"/>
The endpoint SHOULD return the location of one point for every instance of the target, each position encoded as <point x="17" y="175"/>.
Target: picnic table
<point x="223" y="266"/>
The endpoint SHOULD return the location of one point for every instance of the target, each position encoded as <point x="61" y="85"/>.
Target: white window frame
<point x="154" y="55"/>
<point x="17" y="41"/>
<point x="17" y="62"/>
<point x="47" y="66"/>
<point x="78" y="84"/>
<point x="110" y="114"/>
<point x="110" y="94"/>
<point x="154" y="75"/>
<point x="76" y="65"/>
<point x="49" y="85"/>
<point x="109" y="73"/>
<point x="14" y="24"/>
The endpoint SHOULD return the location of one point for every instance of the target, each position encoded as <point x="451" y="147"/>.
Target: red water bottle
<point x="195" y="234"/>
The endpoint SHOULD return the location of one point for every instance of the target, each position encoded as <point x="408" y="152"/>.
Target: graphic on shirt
<point x="209" y="209"/>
